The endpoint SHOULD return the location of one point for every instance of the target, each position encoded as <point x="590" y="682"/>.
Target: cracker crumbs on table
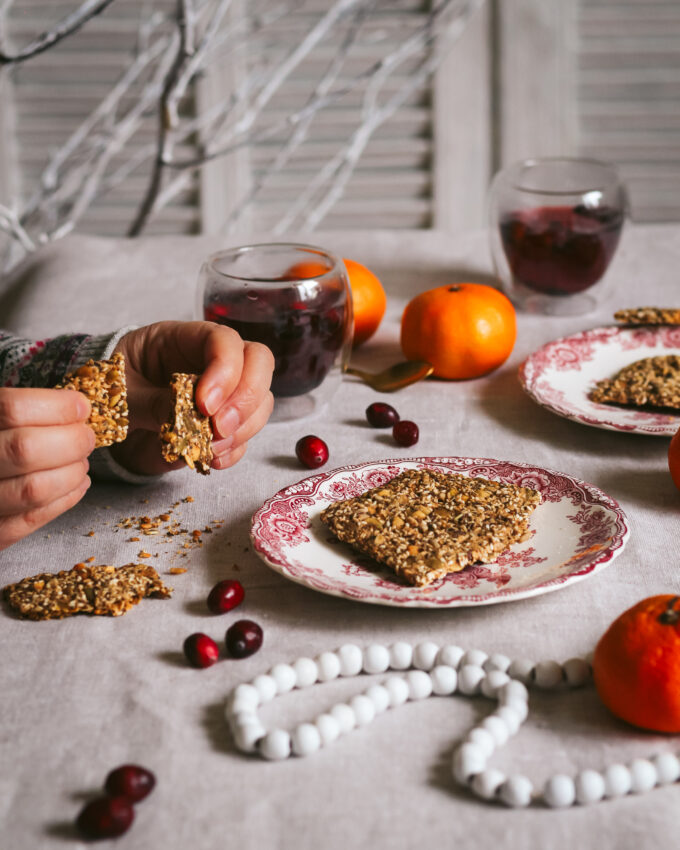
<point x="103" y="383"/>
<point x="648" y="316"/>
<point x="650" y="382"/>
<point x="424" y="524"/>
<point x="188" y="435"/>
<point x="177" y="571"/>
<point x="100" y="590"/>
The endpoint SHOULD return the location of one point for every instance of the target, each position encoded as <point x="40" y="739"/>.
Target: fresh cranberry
<point x="405" y="432"/>
<point x="130" y="781"/>
<point x="225" y="595"/>
<point x="201" y="650"/>
<point x="243" y="638"/>
<point x="381" y="415"/>
<point x="311" y="451"/>
<point x="106" y="817"/>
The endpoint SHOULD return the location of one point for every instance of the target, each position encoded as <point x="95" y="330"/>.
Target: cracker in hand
<point x="189" y="435"/>
<point x="103" y="383"/>
<point x="648" y="316"/>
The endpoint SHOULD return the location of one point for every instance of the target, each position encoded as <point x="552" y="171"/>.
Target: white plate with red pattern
<point x="561" y="374"/>
<point x="575" y="532"/>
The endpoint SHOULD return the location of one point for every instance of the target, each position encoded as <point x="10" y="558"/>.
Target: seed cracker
<point x="648" y="316"/>
<point x="189" y="435"/>
<point x="103" y="383"/>
<point x="650" y="382"/>
<point x="102" y="589"/>
<point x="424" y="524"/>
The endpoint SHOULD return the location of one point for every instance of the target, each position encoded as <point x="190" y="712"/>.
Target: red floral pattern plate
<point x="560" y="375"/>
<point x="575" y="531"/>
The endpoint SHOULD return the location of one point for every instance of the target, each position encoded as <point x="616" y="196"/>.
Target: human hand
<point x="233" y="389"/>
<point x="44" y="444"/>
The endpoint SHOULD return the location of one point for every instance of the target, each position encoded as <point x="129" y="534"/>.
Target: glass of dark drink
<point x="555" y="224"/>
<point x="295" y="299"/>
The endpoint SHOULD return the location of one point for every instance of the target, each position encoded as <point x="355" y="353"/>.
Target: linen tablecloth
<point x="83" y="695"/>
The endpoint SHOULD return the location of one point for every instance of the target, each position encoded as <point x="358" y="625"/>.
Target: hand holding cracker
<point x="232" y="389"/>
<point x="44" y="445"/>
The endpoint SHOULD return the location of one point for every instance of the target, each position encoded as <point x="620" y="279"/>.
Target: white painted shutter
<point x="628" y="94"/>
<point x="55" y="91"/>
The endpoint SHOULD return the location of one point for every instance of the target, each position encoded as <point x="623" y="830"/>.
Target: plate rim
<point x="527" y="384"/>
<point x="600" y="561"/>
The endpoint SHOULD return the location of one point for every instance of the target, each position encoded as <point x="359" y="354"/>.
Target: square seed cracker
<point x="424" y="524"/>
<point x="103" y="589"/>
<point x="103" y="383"/>
<point x="650" y="382"/>
<point x="648" y="316"/>
<point x="189" y="435"/>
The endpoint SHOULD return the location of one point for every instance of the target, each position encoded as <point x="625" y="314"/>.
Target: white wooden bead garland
<point x="426" y="670"/>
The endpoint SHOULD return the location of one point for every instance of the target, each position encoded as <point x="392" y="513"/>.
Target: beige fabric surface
<point x="80" y="696"/>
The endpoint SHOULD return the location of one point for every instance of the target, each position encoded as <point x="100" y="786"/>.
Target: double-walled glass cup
<point x="295" y="299"/>
<point x="555" y="224"/>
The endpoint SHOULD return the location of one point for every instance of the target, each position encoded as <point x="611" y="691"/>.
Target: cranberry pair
<point x="382" y="415"/>
<point x="112" y="815"/>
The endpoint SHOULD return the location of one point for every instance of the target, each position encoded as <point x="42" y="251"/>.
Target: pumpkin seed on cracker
<point x="189" y="435"/>
<point x="424" y="524"/>
<point x="103" y="384"/>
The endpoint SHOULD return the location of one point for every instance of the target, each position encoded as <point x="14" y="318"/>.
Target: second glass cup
<point x="296" y="300"/>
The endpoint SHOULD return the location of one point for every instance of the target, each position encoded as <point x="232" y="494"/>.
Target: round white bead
<point x="419" y="684"/>
<point x="513" y="691"/>
<point x="425" y="655"/>
<point x="643" y="775"/>
<point x="351" y="659"/>
<point x="483" y="739"/>
<point x="497" y="661"/>
<point x="376" y="658"/>
<point x="548" y="674"/>
<point x="468" y="760"/>
<point x="328" y="727"/>
<point x="275" y="745"/>
<point x="397" y="688"/>
<point x="487" y="783"/>
<point x="363" y="709"/>
<point x="516" y="791"/>
<point x="236" y="705"/>
<point x="328" y="665"/>
<point x="444" y="680"/>
<point x="450" y="655"/>
<point x="344" y="716"/>
<point x="380" y="697"/>
<point x="475" y="657"/>
<point x="305" y="739"/>
<point x="470" y="678"/>
<point x="247" y="735"/>
<point x="241" y="718"/>
<point x="667" y="768"/>
<point x="559" y="791"/>
<point x="401" y="655"/>
<point x="590" y="787"/>
<point x="522" y="669"/>
<point x="617" y="780"/>
<point x="306" y="672"/>
<point x="577" y="672"/>
<point x="493" y="680"/>
<point x="285" y="678"/>
<point x="266" y="687"/>
<point x="497" y="728"/>
<point x="519" y="706"/>
<point x="588" y="657"/>
<point x="246" y="694"/>
<point x="511" y="717"/>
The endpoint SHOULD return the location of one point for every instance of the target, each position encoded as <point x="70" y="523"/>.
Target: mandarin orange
<point x="636" y="665"/>
<point x="368" y="301"/>
<point x="464" y="329"/>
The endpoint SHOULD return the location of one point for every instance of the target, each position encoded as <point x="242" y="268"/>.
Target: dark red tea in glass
<point x="555" y="225"/>
<point x="295" y="299"/>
